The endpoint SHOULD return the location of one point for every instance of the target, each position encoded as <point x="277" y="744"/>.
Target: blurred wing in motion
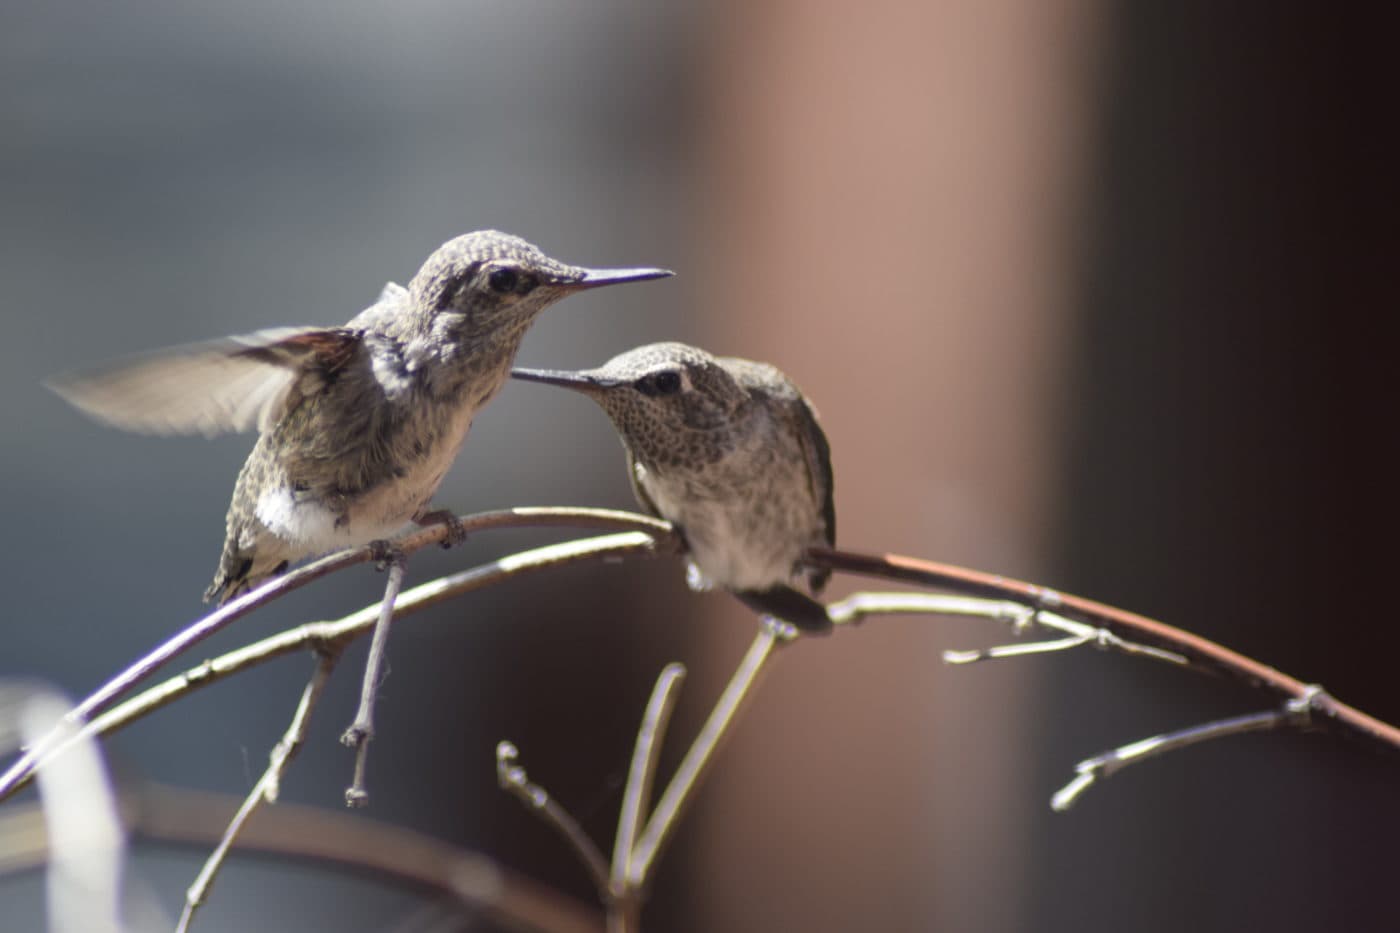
<point x="211" y="388"/>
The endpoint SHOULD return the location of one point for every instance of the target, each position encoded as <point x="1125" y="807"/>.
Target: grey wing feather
<point x="818" y="451"/>
<point x="771" y="381"/>
<point x="210" y="388"/>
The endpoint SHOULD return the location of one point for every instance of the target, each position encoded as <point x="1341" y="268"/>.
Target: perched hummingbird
<point x="730" y="452"/>
<point x="357" y="424"/>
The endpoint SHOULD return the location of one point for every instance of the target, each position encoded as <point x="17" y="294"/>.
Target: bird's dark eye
<point x="503" y="280"/>
<point x="667" y="382"/>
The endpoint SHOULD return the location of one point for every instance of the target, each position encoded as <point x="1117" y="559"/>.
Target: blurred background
<point x="1086" y="292"/>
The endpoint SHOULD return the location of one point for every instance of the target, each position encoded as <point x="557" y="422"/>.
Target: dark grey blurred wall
<point x="1230" y="468"/>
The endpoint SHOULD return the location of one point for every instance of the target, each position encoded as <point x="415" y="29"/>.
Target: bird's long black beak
<point x="586" y="382"/>
<point x="595" y="278"/>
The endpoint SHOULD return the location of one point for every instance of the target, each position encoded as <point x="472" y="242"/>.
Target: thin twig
<point x="510" y="774"/>
<point x="324" y="634"/>
<point x="1021" y="604"/>
<point x="362" y="729"/>
<point x="859" y="606"/>
<point x="1015" y="651"/>
<point x="1109" y="763"/>
<point x="624" y="908"/>
<point x="1136" y="633"/>
<point x="267" y="787"/>
<point x="193" y="634"/>
<point x="697" y="760"/>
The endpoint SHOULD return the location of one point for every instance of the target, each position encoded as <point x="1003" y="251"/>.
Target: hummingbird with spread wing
<point x="357" y="424"/>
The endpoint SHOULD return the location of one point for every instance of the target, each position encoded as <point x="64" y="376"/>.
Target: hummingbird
<point x="356" y="424"/>
<point x="730" y="452"/>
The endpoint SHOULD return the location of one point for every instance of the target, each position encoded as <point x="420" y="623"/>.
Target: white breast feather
<point x="377" y="514"/>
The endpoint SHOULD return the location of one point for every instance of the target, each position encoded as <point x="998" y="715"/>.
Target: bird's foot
<point x="456" y="531"/>
<point x="384" y="553"/>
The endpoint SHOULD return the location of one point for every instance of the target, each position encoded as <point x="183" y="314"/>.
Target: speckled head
<point x="658" y="395"/>
<point x="487" y="279"/>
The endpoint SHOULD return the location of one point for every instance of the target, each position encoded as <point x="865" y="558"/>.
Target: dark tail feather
<point x="226" y="587"/>
<point x="235" y="577"/>
<point x="788" y="604"/>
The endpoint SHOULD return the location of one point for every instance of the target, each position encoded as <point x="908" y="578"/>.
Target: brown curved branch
<point x="1198" y="652"/>
<point x="1079" y="622"/>
<point x="183" y="817"/>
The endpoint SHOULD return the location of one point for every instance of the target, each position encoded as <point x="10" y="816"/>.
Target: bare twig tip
<point x="1066" y="796"/>
<point x="509" y="773"/>
<point x="514" y="780"/>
